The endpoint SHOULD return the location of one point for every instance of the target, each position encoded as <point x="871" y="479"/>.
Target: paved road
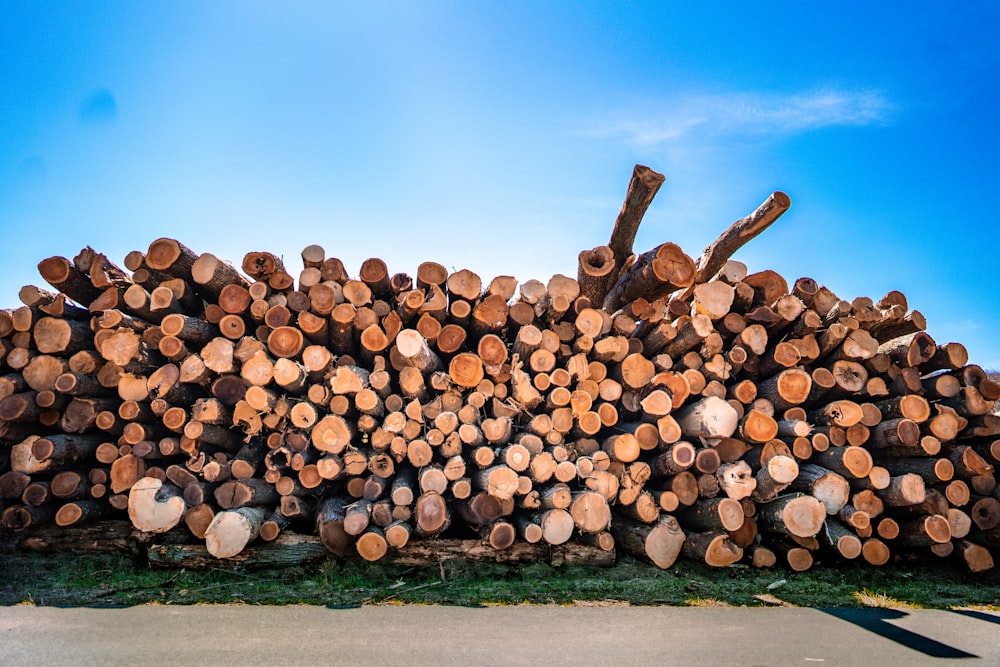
<point x="471" y="637"/>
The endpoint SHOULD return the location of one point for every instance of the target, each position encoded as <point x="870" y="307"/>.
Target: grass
<point x="112" y="580"/>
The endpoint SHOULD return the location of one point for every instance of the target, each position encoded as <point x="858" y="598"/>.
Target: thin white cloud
<point x="761" y="114"/>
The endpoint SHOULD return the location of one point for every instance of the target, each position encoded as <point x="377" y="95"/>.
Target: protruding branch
<point x="641" y="189"/>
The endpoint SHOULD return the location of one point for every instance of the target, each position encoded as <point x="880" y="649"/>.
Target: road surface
<point x="524" y="635"/>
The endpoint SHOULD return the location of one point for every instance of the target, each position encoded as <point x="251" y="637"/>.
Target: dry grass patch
<point x="870" y="598"/>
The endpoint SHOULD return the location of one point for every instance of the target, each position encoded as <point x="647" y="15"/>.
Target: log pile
<point x="657" y="404"/>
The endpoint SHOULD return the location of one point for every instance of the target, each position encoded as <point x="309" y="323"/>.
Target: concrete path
<point x="471" y="637"/>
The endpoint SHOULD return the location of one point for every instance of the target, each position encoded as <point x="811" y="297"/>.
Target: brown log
<point x="500" y="481"/>
<point x="931" y="470"/>
<point x="786" y="389"/>
<point x="596" y="271"/>
<point x="795" y="514"/>
<point x="659" y="543"/>
<point x="967" y="463"/>
<point x="774" y="476"/>
<point x="211" y="275"/>
<point x="63" y="449"/>
<point x="415" y="352"/>
<point x="20" y="407"/>
<point x="432" y="514"/>
<point x="54" y="335"/>
<point x="466" y="370"/>
<point x="985" y="513"/>
<point x="851" y="462"/>
<point x="654" y="274"/>
<point x="736" y="480"/>
<point x="426" y="552"/>
<point x="925" y="531"/>
<point x="590" y="512"/>
<point x="66" y="278"/>
<point x="976" y="557"/>
<point x="713" y="547"/>
<point x="894" y="433"/>
<point x="825" y="485"/>
<point x="80" y="511"/>
<point x="840" y="539"/>
<point x="41" y="371"/>
<point x="643" y="186"/>
<point x="243" y="493"/>
<point x="712" y="513"/>
<point x="330" y="527"/>
<point x="739" y="234"/>
<point x="903" y="490"/>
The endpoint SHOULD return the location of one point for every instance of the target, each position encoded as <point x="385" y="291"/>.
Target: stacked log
<point x="654" y="403"/>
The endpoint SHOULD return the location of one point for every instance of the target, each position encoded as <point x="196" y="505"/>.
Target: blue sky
<point x="500" y="136"/>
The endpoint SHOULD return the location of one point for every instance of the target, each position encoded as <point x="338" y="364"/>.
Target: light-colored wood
<point x="710" y="418"/>
<point x="155" y="507"/>
<point x="231" y="530"/>
<point x="796" y="514"/>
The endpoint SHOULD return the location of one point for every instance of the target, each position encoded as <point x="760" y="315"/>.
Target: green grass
<point x="112" y="580"/>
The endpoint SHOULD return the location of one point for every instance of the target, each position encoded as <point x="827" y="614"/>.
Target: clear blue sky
<point x="500" y="136"/>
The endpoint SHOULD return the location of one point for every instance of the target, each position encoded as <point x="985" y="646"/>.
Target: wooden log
<point x="795" y="514"/>
<point x="931" y="470"/>
<point x="65" y="449"/>
<point x="466" y="370"/>
<point x="710" y="418"/>
<point x="976" y="557"/>
<point x="851" y="462"/>
<point x="985" y="513"/>
<point x="659" y="543"/>
<point x="556" y="526"/>
<point x="740" y="233"/>
<point x="330" y="527"/>
<point x="155" y="506"/>
<point x="432" y="514"/>
<point x="81" y="511"/>
<point x="903" y="490"/>
<point x="245" y="492"/>
<point x="596" y="269"/>
<point x="66" y="278"/>
<point x="415" y="352"/>
<point x="430" y="552"/>
<point x="713" y="547"/>
<point x="925" y="531"/>
<point x="828" y="487"/>
<point x="231" y="530"/>
<point x="775" y="475"/>
<point x="643" y="186"/>
<point x="53" y="335"/>
<point x="712" y="513"/>
<point x="788" y="388"/>
<point x="841" y="539"/>
<point x="499" y="481"/>
<point x="736" y="479"/>
<point x="654" y="274"/>
<point x="590" y="512"/>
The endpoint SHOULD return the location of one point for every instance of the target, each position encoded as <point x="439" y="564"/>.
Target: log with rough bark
<point x="712" y="547"/>
<point x="659" y="543"/>
<point x="794" y="514"/>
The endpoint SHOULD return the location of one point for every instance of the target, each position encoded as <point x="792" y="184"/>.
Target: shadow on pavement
<point x="877" y="621"/>
<point x="979" y="615"/>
